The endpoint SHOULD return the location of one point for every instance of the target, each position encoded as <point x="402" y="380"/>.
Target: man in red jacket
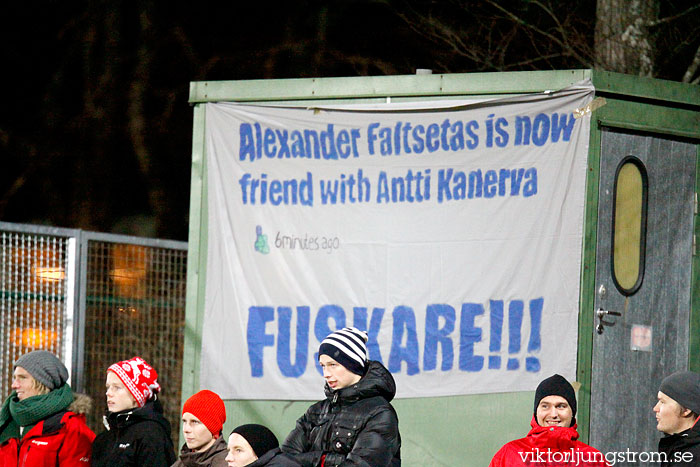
<point x="553" y="439"/>
<point x="37" y="429"/>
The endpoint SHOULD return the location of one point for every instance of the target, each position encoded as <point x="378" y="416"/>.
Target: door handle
<point x="601" y="314"/>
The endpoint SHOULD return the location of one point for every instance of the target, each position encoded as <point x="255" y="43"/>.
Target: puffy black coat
<point x="274" y="458"/>
<point x="135" y="437"/>
<point x="354" y="426"/>
<point x="681" y="444"/>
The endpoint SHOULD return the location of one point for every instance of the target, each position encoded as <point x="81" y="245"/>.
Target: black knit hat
<point x="348" y="347"/>
<point x="556" y="385"/>
<point x="260" y="438"/>
<point x="684" y="388"/>
<point x="44" y="367"/>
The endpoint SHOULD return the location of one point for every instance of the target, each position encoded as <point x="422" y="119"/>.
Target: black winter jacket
<point x="354" y="426"/>
<point x="135" y="437"/>
<point x="274" y="458"/>
<point x="680" y="444"/>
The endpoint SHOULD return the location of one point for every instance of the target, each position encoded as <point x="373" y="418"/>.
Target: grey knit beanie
<point x="684" y="388"/>
<point x="44" y="367"/>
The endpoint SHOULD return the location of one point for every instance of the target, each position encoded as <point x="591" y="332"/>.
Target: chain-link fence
<point x="93" y="299"/>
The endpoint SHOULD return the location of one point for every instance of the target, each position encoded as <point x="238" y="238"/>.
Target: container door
<point x="643" y="278"/>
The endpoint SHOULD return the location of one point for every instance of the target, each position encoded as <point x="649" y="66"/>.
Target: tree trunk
<point x="623" y="42"/>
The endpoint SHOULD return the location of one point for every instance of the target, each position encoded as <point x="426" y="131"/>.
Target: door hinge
<point x="695" y="209"/>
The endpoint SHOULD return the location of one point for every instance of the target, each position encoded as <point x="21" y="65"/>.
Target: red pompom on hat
<point x="138" y="377"/>
<point x="208" y="407"/>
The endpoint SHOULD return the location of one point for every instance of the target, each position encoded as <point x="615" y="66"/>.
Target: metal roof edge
<point x="451" y="84"/>
<point x="607" y="82"/>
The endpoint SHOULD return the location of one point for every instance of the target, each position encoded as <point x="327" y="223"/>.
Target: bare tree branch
<point x="668" y="19"/>
<point x="563" y="43"/>
<point x="136" y="112"/>
<point x="438" y="31"/>
<point x="692" y="69"/>
<point x="534" y="60"/>
<point x="522" y="22"/>
<point x="14" y="188"/>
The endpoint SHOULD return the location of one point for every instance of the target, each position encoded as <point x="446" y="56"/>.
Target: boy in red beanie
<point x="203" y="417"/>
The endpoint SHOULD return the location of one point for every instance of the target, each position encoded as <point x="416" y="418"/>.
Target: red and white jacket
<point x="61" y="440"/>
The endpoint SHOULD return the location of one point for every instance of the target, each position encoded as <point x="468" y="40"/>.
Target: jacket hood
<point x="82" y="404"/>
<point x="376" y="382"/>
<point x="559" y="437"/>
<point x="542" y="442"/>
<point x="152" y="410"/>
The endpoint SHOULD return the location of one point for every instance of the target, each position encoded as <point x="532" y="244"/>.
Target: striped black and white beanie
<point x="348" y="347"/>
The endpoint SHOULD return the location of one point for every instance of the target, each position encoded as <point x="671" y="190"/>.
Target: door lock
<point x="601" y="314"/>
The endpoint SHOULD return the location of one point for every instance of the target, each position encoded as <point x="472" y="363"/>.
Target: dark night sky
<point x="70" y="72"/>
<point x="95" y="131"/>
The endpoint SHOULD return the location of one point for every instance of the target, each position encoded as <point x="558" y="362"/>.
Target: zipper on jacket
<point x="29" y="444"/>
<point x="24" y="461"/>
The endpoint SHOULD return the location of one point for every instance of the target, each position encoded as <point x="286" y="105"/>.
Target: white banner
<point x="451" y="233"/>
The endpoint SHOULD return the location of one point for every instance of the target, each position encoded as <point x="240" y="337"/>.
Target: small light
<point x="129" y="270"/>
<point x="128" y="310"/>
<point x="50" y="274"/>
<point x="34" y="337"/>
